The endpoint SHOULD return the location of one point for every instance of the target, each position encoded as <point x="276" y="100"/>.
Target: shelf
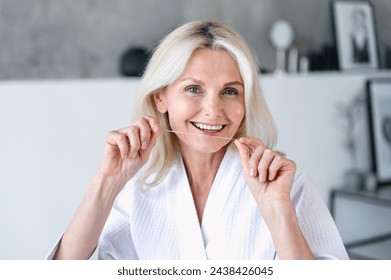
<point x="365" y="73"/>
<point x="374" y="247"/>
<point x="375" y="250"/>
<point x="380" y="198"/>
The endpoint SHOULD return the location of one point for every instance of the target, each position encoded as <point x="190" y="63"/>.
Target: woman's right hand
<point x="128" y="149"/>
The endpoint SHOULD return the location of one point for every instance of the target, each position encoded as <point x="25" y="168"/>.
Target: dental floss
<point x="180" y="132"/>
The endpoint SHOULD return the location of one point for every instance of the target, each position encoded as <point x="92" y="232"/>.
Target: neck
<point x="201" y="171"/>
<point x="201" y="168"/>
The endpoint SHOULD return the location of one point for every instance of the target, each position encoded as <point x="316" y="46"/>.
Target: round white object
<point x="281" y="34"/>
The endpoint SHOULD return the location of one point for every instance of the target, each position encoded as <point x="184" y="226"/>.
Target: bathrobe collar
<point x="164" y="223"/>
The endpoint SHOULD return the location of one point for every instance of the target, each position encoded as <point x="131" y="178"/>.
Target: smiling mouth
<point x="208" y="128"/>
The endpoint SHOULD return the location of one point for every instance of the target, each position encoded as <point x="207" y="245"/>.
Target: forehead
<point x="212" y="63"/>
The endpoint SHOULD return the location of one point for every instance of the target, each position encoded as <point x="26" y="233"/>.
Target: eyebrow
<point x="202" y="83"/>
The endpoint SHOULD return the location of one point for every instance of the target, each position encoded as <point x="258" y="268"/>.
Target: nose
<point x="213" y="105"/>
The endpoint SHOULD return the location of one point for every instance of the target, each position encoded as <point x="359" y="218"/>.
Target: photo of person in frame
<point x="359" y="37"/>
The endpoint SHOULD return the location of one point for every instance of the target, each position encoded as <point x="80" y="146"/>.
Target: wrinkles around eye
<point x="193" y="89"/>
<point x="231" y="92"/>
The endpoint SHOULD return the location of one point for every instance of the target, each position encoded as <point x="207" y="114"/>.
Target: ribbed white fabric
<point x="161" y="223"/>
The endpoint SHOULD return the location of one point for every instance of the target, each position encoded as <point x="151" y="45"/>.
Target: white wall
<point x="51" y="141"/>
<point x="52" y="135"/>
<point x="310" y="128"/>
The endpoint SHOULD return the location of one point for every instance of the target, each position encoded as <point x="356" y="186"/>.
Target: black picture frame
<point x="379" y="115"/>
<point x="355" y="34"/>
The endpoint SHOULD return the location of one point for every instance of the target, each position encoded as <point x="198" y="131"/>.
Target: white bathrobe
<point x="162" y="223"/>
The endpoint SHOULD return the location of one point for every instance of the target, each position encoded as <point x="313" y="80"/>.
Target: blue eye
<point x="193" y="89"/>
<point x="230" y="91"/>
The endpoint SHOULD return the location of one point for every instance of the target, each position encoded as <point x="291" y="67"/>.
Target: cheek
<point x="181" y="110"/>
<point x="239" y="112"/>
<point x="178" y="103"/>
<point x="178" y="114"/>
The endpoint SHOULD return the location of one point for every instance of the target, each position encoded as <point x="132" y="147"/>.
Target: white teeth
<point x="208" y="127"/>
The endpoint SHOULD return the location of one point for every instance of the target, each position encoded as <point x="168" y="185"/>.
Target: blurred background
<point x="68" y="70"/>
<point x="52" y="39"/>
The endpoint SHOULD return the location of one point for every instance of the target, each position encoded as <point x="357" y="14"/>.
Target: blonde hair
<point x="169" y="61"/>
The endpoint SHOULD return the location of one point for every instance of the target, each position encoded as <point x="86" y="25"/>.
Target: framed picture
<point x="355" y="34"/>
<point x="379" y="111"/>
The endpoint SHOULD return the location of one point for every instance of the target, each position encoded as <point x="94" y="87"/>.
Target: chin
<point x="209" y="147"/>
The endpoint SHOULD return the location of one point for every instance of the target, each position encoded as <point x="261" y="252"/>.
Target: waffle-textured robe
<point x="162" y="223"/>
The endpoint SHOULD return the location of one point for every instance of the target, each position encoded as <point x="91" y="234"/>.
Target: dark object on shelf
<point x="264" y="70"/>
<point x="133" y="61"/>
<point x="324" y="59"/>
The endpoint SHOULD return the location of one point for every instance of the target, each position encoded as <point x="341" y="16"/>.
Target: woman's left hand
<point x="270" y="177"/>
<point x="268" y="173"/>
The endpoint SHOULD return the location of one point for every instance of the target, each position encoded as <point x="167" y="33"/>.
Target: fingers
<point x="250" y="152"/>
<point x="147" y="127"/>
<point x="258" y="161"/>
<point x="156" y="131"/>
<point x="133" y="134"/>
<point x="244" y="154"/>
<point x="275" y="165"/>
<point x="118" y="141"/>
<point x="133" y="139"/>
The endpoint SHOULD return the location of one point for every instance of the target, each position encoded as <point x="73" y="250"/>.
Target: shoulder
<point x="304" y="190"/>
<point x="300" y="177"/>
<point x="315" y="220"/>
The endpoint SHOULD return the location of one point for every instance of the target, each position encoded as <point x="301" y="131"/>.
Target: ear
<point x="160" y="101"/>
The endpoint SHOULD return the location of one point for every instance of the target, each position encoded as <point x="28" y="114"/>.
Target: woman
<point x="196" y="186"/>
<point x="359" y="37"/>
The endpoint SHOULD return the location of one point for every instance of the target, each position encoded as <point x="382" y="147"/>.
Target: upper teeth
<point x="208" y="127"/>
